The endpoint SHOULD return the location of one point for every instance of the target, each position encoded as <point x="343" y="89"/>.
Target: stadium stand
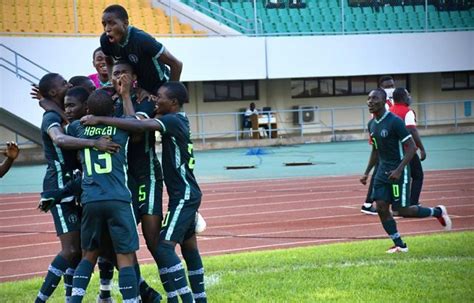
<point x="57" y="16"/>
<point x="324" y="16"/>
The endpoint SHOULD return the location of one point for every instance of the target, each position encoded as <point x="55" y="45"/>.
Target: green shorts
<point x="397" y="193"/>
<point x="66" y="217"/>
<point x="113" y="217"/>
<point x="147" y="196"/>
<point x="180" y="221"/>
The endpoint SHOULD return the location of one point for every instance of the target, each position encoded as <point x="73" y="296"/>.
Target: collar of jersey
<point x="383" y="117"/>
<point x="128" y="36"/>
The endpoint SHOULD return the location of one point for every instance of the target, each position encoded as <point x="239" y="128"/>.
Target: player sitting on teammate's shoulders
<point x="149" y="58"/>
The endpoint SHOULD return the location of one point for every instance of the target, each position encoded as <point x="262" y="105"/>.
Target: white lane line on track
<point x="305" y="182"/>
<point x="265" y="205"/>
<point x="256" y="224"/>
<point x="256" y="235"/>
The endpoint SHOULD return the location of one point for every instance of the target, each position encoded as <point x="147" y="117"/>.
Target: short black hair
<point x="382" y="92"/>
<point x="46" y="84"/>
<point x="123" y="61"/>
<point x="400" y="95"/>
<point x="79" y="80"/>
<point x="99" y="49"/>
<point x="100" y="103"/>
<point x="177" y="90"/>
<point x="384" y="78"/>
<point x="80" y="93"/>
<point x="118" y="10"/>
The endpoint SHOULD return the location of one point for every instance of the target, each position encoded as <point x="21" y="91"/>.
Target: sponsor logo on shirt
<point x="133" y="58"/>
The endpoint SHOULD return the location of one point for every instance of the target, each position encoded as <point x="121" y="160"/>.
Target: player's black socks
<point x="390" y="227"/>
<point x="172" y="296"/>
<point x="128" y="283"/>
<point x="81" y="279"/>
<point x="424" y="212"/>
<point x="106" y="273"/>
<point x="195" y="275"/>
<point x="176" y="283"/>
<point x="53" y="277"/>
<point x="68" y="276"/>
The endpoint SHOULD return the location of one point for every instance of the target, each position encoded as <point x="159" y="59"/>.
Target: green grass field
<point x="438" y="268"/>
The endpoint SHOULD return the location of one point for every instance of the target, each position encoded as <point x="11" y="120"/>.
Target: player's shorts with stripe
<point x="396" y="193"/>
<point x="114" y="217"/>
<point x="147" y="195"/>
<point x="179" y="222"/>
<point x="66" y="217"/>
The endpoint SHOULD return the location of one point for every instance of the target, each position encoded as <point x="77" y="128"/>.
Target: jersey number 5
<point x="98" y="169"/>
<point x="191" y="162"/>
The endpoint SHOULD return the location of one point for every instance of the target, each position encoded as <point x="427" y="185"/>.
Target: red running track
<point x="250" y="215"/>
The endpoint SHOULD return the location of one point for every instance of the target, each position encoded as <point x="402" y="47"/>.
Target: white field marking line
<point x="23" y="275"/>
<point x="291" y="243"/>
<point x="259" y="213"/>
<point x="270" y="212"/>
<point x="284" y="244"/>
<point x="252" y="224"/>
<point x="315" y="218"/>
<point x="310" y="183"/>
<point x="453" y="172"/>
<point x="41" y="257"/>
<point x="306" y="230"/>
<point x="286" y="182"/>
<point x="18" y="235"/>
<point x="21" y="217"/>
<point x="315" y="200"/>
<point x="19" y="196"/>
<point x="31" y="224"/>
<point x="313" y="189"/>
<point x="29" y="245"/>
<point x="308" y="187"/>
<point x="252" y="247"/>
<point x="28" y="258"/>
<point x="294" y="243"/>
<point x="292" y="194"/>
<point x="346" y="264"/>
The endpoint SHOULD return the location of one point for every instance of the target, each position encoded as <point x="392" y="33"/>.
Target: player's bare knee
<point x="164" y="248"/>
<point x="125" y="260"/>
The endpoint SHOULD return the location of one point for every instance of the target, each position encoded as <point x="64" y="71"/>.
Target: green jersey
<point x="104" y="175"/>
<point x="388" y="135"/>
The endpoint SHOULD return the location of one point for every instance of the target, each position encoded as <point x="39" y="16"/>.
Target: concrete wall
<point x="274" y="58"/>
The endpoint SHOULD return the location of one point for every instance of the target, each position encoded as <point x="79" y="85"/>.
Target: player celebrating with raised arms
<point x="183" y="191"/>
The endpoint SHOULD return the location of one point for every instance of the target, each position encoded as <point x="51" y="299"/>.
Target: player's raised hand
<point x="35" y="92"/>
<point x="363" y="179"/>
<point x="90" y="120"/>
<point x="12" y="150"/>
<point x="124" y="84"/>
<point x="106" y="144"/>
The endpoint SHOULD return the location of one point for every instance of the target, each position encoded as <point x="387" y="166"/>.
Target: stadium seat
<point x="57" y="16"/>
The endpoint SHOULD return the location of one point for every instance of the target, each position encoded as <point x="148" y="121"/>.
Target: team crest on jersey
<point x="384" y="133"/>
<point x="72" y="218"/>
<point x="133" y="58"/>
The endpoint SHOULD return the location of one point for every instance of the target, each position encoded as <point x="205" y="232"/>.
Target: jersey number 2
<point x="98" y="169"/>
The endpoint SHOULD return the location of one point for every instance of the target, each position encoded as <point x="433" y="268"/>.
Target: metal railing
<point x="227" y="126"/>
<point x="13" y="65"/>
<point x="254" y="26"/>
